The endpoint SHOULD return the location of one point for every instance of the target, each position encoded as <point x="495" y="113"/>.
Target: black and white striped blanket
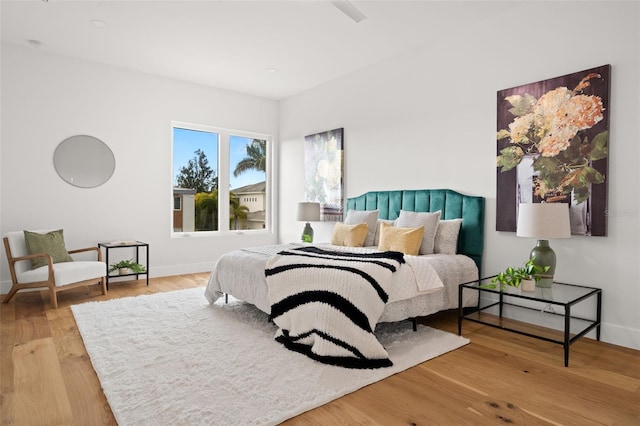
<point x="327" y="303"/>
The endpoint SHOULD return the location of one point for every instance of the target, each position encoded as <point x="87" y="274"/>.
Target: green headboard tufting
<point x="452" y="204"/>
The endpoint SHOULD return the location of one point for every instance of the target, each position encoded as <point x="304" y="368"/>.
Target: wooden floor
<point x="46" y="376"/>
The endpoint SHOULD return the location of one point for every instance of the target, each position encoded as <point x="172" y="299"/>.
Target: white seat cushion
<point x="65" y="273"/>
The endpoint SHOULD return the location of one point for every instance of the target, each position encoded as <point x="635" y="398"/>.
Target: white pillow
<point x="370" y="217"/>
<point x="376" y="239"/>
<point x="446" y="241"/>
<point x="429" y="220"/>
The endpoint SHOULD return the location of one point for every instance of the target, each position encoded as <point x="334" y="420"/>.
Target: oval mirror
<point x="84" y="161"/>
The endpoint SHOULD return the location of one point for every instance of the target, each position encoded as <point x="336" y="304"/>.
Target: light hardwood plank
<point x="40" y="393"/>
<point x="7" y="337"/>
<point x="499" y="378"/>
<point x="85" y="393"/>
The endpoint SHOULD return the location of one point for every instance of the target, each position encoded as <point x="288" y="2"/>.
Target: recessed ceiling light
<point x="98" y="23"/>
<point x="272" y="69"/>
<point x="34" y="43"/>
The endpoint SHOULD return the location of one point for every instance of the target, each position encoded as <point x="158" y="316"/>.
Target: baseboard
<point x="620" y="335"/>
<point x="5" y="286"/>
<point x="192" y="268"/>
<point x="163" y="271"/>
<point x="610" y="333"/>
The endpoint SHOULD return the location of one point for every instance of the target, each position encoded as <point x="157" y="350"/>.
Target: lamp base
<point x="543" y="255"/>
<point x="545" y="282"/>
<point x="307" y="234"/>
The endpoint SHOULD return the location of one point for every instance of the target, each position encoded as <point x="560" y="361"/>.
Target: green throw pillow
<point x="51" y="243"/>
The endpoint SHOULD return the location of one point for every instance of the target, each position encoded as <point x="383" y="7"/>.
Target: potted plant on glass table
<point x="128" y="266"/>
<point x="528" y="275"/>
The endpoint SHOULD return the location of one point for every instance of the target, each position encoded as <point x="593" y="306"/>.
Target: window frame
<point x="223" y="172"/>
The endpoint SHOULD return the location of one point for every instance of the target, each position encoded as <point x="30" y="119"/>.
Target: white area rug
<point x="171" y="358"/>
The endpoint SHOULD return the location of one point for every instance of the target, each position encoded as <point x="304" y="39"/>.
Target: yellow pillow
<point x="406" y="240"/>
<point x="349" y="235"/>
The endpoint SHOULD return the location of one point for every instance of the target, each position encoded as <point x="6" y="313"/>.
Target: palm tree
<point x="206" y="206"/>
<point x="237" y="211"/>
<point x="256" y="158"/>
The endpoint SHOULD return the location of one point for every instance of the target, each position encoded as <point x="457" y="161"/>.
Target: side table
<point x="123" y="244"/>
<point x="515" y="312"/>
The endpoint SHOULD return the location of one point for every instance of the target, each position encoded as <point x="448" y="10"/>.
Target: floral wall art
<point x="324" y="173"/>
<point x="553" y="146"/>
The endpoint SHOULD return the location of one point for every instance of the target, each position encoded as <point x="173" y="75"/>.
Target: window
<point x="215" y="167"/>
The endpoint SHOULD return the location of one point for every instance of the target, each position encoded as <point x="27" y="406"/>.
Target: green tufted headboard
<point x="452" y="204"/>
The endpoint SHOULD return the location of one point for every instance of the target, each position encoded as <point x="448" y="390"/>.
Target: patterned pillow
<point x="406" y="240"/>
<point x="349" y="235"/>
<point x="51" y="243"/>
<point x="446" y="240"/>
<point x="429" y="220"/>
<point x="370" y="217"/>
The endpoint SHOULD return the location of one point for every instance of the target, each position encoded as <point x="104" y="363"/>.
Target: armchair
<point x="54" y="276"/>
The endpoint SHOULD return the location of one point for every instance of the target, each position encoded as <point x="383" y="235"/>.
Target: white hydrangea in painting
<point x="549" y="130"/>
<point x="323" y="172"/>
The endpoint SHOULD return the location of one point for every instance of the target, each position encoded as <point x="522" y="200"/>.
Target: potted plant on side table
<point x="125" y="267"/>
<point x="527" y="275"/>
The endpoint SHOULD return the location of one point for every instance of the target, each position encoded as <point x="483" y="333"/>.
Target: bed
<point x="398" y="255"/>
<point x="241" y="273"/>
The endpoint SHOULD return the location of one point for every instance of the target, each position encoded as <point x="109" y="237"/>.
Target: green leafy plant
<point x="135" y="267"/>
<point x="514" y="276"/>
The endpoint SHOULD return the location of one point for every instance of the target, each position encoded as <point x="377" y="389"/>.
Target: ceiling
<point x="271" y="49"/>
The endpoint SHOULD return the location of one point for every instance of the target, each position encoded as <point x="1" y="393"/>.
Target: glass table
<point x="547" y="313"/>
<point x="124" y="244"/>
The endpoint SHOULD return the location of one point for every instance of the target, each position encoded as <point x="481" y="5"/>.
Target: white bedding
<point x="422" y="286"/>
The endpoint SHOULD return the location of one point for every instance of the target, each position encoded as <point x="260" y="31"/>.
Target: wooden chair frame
<point x="50" y="283"/>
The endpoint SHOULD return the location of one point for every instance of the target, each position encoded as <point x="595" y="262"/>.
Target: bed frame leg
<point x="414" y="320"/>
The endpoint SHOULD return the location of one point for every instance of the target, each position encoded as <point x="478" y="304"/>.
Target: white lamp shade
<point x="543" y="220"/>
<point x="308" y="212"/>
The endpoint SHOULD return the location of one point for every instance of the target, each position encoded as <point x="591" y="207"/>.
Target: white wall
<point x="427" y="119"/>
<point x="47" y="98"/>
<point x="424" y="119"/>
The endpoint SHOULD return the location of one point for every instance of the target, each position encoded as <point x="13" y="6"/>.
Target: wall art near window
<point x="553" y="146"/>
<point x="324" y="165"/>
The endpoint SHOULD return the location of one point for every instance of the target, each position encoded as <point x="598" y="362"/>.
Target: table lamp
<point x="308" y="212"/>
<point x="544" y="221"/>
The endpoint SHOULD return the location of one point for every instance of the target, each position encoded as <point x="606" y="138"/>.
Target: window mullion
<point x="223" y="181"/>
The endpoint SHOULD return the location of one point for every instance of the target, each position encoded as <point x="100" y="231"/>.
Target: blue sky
<point x="186" y="142"/>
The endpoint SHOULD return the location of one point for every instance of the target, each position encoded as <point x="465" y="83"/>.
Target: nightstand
<point x="124" y="244"/>
<point x="548" y="309"/>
